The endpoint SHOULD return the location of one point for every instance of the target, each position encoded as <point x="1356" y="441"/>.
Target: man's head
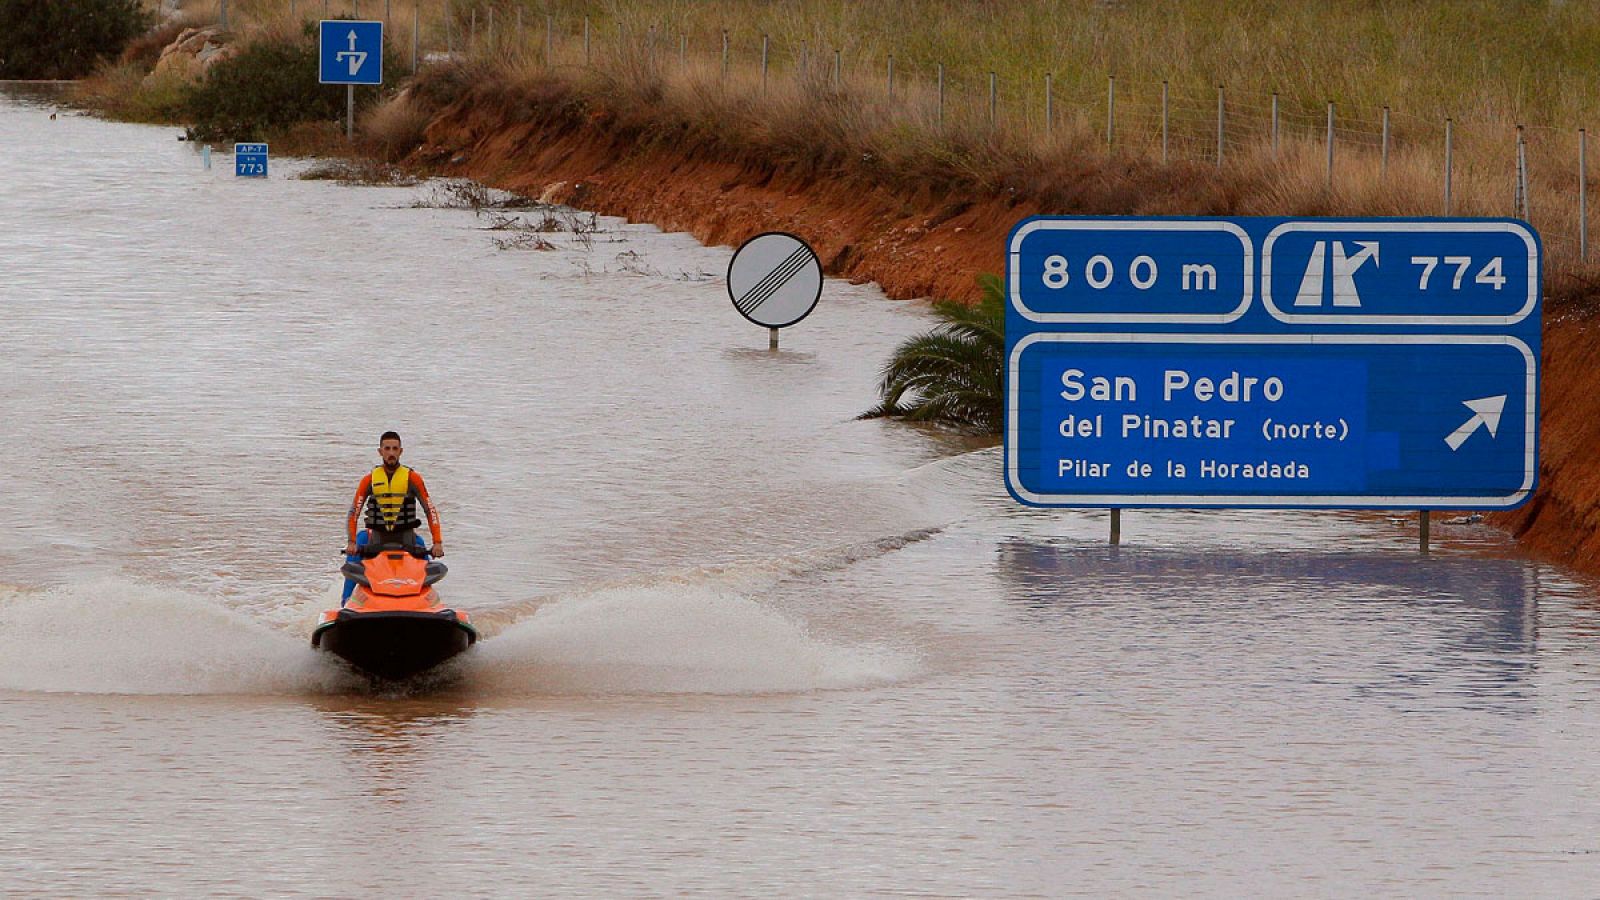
<point x="389" y="448"/>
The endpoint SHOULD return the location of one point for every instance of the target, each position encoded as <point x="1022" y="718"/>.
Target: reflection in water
<point x="384" y="743"/>
<point x="1476" y="616"/>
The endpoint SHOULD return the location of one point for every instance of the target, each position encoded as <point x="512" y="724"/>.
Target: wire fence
<point x="1404" y="164"/>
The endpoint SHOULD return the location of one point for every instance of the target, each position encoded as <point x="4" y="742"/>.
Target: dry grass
<point x="394" y="127"/>
<point x="1487" y="64"/>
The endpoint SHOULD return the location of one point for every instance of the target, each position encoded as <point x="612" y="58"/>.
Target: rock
<point x="193" y="52"/>
<point x="553" y="193"/>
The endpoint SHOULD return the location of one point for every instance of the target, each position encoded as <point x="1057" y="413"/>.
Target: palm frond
<point x="952" y="374"/>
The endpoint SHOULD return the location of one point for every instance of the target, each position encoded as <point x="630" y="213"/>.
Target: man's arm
<point x="432" y="513"/>
<point x="362" y="490"/>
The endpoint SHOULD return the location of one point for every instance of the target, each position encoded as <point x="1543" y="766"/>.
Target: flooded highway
<point x="737" y="641"/>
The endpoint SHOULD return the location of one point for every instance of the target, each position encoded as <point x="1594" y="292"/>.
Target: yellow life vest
<point x="390" y="494"/>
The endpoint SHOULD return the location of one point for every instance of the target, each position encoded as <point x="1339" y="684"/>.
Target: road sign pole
<point x="1425" y="521"/>
<point x="1116" y="526"/>
<point x="772" y="339"/>
<point x="349" y="112"/>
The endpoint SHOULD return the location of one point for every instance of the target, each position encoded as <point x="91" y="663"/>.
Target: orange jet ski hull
<point x="394" y="625"/>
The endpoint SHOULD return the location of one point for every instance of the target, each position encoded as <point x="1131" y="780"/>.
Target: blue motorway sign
<point x="1271" y="362"/>
<point x="349" y="52"/>
<point x="250" y="160"/>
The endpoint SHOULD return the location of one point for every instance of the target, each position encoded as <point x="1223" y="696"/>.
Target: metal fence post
<point x="891" y="76"/>
<point x="222" y="13"/>
<point x="992" y="101"/>
<point x="1383" y="171"/>
<point x="1274" y="124"/>
<point x="1049" y="107"/>
<point x="683" y="51"/>
<point x="1583" y="195"/>
<point x="587" y="58"/>
<point x="355" y="9"/>
<point x="325" y="9"/>
<point x="292" y="10"/>
<point x="1522" y="175"/>
<point x="724" y="54"/>
<point x="1330" y="144"/>
<point x="838" y="66"/>
<point x="472" y="32"/>
<point x="387" y="4"/>
<point x="416" y="39"/>
<point x="1448" y="151"/>
<point x="1219" y="126"/>
<point x="490" y="36"/>
<point x="449" y="29"/>
<point x="763" y="64"/>
<point x="941" y="95"/>
<point x="549" y="39"/>
<point x="1111" y="110"/>
<point x="1163" y="123"/>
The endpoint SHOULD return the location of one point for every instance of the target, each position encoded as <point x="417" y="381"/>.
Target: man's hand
<point x="438" y="549"/>
<point x="350" y="549"/>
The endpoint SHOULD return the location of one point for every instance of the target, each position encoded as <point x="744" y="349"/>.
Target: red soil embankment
<point x="914" y="245"/>
<point x="1562" y="521"/>
<point x="930" y="243"/>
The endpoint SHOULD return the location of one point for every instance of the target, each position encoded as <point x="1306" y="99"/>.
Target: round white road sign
<point x="775" y="279"/>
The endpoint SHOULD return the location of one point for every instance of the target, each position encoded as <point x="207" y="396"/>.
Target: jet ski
<point x="394" y="625"/>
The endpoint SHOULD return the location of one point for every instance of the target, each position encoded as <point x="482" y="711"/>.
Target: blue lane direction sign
<point x="1453" y="274"/>
<point x="350" y="52"/>
<point x="1249" y="420"/>
<point x="250" y="160"/>
<point x="1409" y="386"/>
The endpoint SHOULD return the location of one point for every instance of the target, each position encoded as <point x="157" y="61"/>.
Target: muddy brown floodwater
<point x="738" y="642"/>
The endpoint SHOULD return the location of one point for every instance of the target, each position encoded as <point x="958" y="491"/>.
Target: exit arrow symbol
<point x="1485" y="412"/>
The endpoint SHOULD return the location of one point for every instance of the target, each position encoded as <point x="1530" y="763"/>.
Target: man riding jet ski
<point x="390" y="622"/>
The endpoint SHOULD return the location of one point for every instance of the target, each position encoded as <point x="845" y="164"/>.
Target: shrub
<point x="269" y="86"/>
<point x="64" y="38"/>
<point x="953" y="374"/>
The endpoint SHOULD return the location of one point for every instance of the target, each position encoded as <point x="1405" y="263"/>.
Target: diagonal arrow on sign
<point x="1485" y="412"/>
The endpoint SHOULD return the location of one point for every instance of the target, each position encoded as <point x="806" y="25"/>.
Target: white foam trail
<point x="676" y="636"/>
<point x="115" y="637"/>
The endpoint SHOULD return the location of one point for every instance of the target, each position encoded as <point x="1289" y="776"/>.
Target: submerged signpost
<point x="250" y="160"/>
<point x="1265" y="362"/>
<point x="349" y="53"/>
<point x="774" y="280"/>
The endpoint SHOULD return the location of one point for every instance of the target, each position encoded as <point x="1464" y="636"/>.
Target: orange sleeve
<point x="427" y="504"/>
<point x="362" y="490"/>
